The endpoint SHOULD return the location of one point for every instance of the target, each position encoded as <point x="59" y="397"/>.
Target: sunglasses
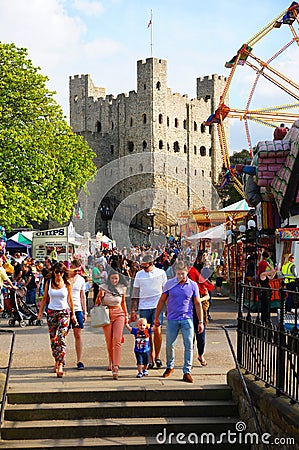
<point x="145" y="266"/>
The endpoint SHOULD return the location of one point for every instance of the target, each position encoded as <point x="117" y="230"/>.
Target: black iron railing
<point x="269" y="348"/>
<point x="245" y="389"/>
<point x="7" y="373"/>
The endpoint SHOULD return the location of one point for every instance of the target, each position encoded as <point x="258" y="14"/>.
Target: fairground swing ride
<point x="270" y="116"/>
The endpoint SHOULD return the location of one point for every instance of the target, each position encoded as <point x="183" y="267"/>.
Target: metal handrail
<point x="13" y="333"/>
<point x="254" y="415"/>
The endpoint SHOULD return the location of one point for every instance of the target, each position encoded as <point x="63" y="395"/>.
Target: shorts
<point x="142" y="358"/>
<point x="149" y="315"/>
<point x="79" y="317"/>
<point x="218" y="282"/>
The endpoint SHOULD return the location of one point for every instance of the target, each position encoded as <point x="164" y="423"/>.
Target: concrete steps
<point x="119" y="418"/>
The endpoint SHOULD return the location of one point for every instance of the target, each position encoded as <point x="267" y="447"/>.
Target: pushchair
<point x="20" y="311"/>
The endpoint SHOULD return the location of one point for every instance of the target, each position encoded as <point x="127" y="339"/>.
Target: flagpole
<point x="151" y="22"/>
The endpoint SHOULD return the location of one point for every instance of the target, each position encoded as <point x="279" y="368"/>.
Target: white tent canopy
<point x="241" y="205"/>
<point x="214" y="234"/>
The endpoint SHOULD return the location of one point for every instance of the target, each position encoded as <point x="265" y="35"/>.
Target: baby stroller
<point x="20" y="311"/>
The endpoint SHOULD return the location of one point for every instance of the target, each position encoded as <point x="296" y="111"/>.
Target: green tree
<point x="229" y="193"/>
<point x="43" y="163"/>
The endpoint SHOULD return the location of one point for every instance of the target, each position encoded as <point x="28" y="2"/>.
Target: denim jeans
<point x="187" y="330"/>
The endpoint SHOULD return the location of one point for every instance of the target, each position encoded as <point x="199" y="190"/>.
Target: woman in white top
<point x="79" y="299"/>
<point x="113" y="295"/>
<point x="58" y="291"/>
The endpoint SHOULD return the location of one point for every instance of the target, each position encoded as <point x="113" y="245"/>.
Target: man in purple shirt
<point x="180" y="293"/>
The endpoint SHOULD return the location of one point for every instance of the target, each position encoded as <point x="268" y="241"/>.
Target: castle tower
<point x="150" y="140"/>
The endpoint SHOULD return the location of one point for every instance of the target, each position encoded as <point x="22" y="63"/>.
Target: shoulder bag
<point x="99" y="316"/>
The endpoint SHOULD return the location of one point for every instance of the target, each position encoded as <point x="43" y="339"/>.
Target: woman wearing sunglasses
<point x="113" y="294"/>
<point x="60" y="310"/>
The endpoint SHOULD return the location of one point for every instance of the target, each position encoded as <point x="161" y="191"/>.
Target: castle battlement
<point x="213" y="77"/>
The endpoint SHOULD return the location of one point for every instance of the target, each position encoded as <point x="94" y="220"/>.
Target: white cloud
<point x="89" y="8"/>
<point x="101" y="47"/>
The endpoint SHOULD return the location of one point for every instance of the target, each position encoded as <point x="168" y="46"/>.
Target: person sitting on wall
<point x="280" y="132"/>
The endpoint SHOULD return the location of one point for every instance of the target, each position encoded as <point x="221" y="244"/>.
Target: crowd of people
<point x="140" y="286"/>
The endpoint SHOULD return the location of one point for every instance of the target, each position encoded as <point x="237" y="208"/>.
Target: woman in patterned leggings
<point x="59" y="291"/>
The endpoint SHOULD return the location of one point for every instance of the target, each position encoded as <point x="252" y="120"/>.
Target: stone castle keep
<point x="155" y="158"/>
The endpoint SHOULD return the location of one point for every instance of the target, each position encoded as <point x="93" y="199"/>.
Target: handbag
<point x="99" y="316"/>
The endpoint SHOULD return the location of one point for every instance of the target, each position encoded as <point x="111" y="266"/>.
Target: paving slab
<point x="32" y="368"/>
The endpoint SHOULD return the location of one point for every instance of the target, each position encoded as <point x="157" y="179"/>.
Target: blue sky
<point x="106" y="38"/>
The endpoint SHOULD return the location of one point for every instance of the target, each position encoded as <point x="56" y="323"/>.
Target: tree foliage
<point x="229" y="194"/>
<point x="43" y="163"/>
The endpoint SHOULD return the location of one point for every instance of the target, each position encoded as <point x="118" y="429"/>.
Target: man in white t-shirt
<point x="79" y="299"/>
<point x="147" y="289"/>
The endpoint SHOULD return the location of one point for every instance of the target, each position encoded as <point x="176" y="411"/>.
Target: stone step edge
<point x="103" y="405"/>
<point x="111" y="442"/>
<point x="116" y="388"/>
<point x="119" y="421"/>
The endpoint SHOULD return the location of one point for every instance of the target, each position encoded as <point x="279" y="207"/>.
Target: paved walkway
<point x="32" y="362"/>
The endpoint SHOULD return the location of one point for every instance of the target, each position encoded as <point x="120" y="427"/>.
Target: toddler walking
<point x="142" y="345"/>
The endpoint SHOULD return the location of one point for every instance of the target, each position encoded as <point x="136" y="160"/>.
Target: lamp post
<point x="151" y="227"/>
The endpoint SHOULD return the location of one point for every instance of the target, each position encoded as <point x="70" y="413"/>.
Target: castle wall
<point x="154" y="136"/>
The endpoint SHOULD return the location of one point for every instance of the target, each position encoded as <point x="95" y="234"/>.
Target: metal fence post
<point x="281" y="341"/>
<point x="239" y="327"/>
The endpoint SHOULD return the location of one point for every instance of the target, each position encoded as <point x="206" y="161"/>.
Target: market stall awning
<point x="213" y="234"/>
<point x="21" y="238"/>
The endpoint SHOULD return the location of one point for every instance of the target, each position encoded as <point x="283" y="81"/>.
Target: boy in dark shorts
<point x="142" y="345"/>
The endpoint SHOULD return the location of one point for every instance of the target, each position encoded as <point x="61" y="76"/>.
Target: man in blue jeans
<point x="180" y="292"/>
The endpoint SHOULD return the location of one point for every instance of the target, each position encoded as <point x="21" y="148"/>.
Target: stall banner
<point x="284" y="234"/>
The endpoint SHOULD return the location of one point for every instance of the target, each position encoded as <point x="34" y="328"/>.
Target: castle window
<point x="185" y="124"/>
<point x="185" y="148"/>
<point x="158" y="85"/>
<point x="202" y="128"/>
<point x="144" y="118"/>
<point x="112" y="125"/>
<point x="112" y="149"/>
<point x="131" y="122"/>
<point x="144" y="145"/>
<point x="195" y="172"/>
<point x="210" y="129"/>
<point x="202" y="173"/>
<point x="160" y="145"/>
<point x="210" y="174"/>
<point x="130" y="170"/>
<point x="131" y="146"/>
<point x="141" y="167"/>
<point x="168" y="146"/>
<point x="210" y="151"/>
<point x="176" y="170"/>
<point x="176" y="122"/>
<point x="168" y="121"/>
<point x="98" y="127"/>
<point x="144" y="86"/>
<point x="185" y="170"/>
<point x="195" y="126"/>
<point x="195" y="150"/>
<point x="76" y="98"/>
<point x="160" y="119"/>
<point x="203" y="151"/>
<point x="177" y="190"/>
<point x="203" y="193"/>
<point x="176" y="146"/>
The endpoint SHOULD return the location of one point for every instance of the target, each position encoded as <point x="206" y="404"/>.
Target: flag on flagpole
<point x="149" y="24"/>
